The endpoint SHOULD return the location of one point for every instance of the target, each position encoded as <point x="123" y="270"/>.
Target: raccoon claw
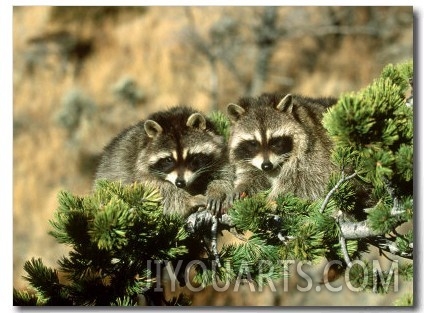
<point x="214" y="205"/>
<point x="237" y="196"/>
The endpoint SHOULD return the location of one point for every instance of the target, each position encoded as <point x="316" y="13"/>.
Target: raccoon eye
<point x="247" y="149"/>
<point x="253" y="146"/>
<point x="281" y="145"/>
<point x="196" y="161"/>
<point x="165" y="165"/>
<point x="253" y="143"/>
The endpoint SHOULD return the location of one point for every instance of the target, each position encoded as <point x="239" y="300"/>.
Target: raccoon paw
<point x="197" y="201"/>
<point x="214" y="205"/>
<point x="237" y="195"/>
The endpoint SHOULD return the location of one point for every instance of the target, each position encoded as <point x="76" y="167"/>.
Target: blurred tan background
<point x="81" y="74"/>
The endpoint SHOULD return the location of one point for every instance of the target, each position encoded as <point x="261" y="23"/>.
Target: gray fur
<point x="302" y="165"/>
<point x="172" y="136"/>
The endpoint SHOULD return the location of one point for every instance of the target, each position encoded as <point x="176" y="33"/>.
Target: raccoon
<point x="277" y="143"/>
<point x="179" y="151"/>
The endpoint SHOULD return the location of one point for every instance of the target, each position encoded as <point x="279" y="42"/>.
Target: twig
<point x="385" y="255"/>
<point x="214" y="248"/>
<point x="344" y="251"/>
<point x="342" y="240"/>
<point x="333" y="190"/>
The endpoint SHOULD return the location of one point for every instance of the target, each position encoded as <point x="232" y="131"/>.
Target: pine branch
<point x="390" y="245"/>
<point x="357" y="230"/>
<point x="334" y="189"/>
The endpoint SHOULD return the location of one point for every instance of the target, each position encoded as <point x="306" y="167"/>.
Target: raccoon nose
<point x="180" y="183"/>
<point x="267" y="166"/>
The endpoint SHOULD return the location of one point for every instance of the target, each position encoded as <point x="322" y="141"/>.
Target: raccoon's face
<point x="186" y="156"/>
<point x="182" y="167"/>
<point x="264" y="136"/>
<point x="264" y="150"/>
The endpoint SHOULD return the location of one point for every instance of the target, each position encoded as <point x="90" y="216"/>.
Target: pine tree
<point x="121" y="241"/>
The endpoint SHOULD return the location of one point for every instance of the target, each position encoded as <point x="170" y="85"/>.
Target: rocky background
<point x="81" y="74"/>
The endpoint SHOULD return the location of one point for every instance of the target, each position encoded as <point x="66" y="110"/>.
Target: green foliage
<point x="118" y="235"/>
<point x="254" y="260"/>
<point x="378" y="126"/>
<point x="114" y="233"/>
<point x="44" y="279"/>
<point x="399" y="74"/>
<point x="222" y="123"/>
<point x="124" y="301"/>
<point x="26" y="298"/>
<point x="249" y="213"/>
<point x="308" y="232"/>
<point x="383" y="220"/>
<point x="373" y="134"/>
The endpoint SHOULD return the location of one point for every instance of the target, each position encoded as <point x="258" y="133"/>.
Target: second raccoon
<point x="277" y="142"/>
<point x="177" y="150"/>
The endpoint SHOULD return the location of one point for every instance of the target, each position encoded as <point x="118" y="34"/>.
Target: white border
<point x="6" y="119"/>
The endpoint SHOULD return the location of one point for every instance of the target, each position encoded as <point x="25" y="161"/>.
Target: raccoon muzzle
<point x="180" y="183"/>
<point x="267" y="166"/>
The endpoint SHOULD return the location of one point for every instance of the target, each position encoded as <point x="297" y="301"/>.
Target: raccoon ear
<point x="286" y="104"/>
<point x="152" y="128"/>
<point x="196" y="120"/>
<point x="234" y="112"/>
